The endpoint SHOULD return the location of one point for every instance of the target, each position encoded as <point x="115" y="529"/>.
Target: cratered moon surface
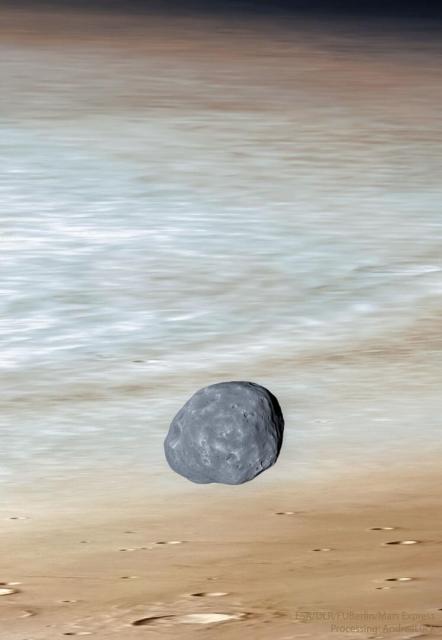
<point x="228" y="433"/>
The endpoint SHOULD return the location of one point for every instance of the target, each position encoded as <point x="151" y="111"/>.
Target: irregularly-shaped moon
<point x="228" y="433"/>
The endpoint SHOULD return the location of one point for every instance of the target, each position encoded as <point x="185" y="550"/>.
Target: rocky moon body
<point x="227" y="433"/>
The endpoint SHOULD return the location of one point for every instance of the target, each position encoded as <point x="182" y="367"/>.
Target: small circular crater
<point x="323" y="549"/>
<point x="402" y="542"/>
<point x="401" y="579"/>
<point x="7" y="591"/>
<point x="209" y="594"/>
<point x="382" y="528"/>
<point x="208" y="618"/>
<point x="67" y="601"/>
<point x="143" y="622"/>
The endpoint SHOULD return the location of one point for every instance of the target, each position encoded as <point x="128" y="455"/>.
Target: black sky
<point x="377" y="8"/>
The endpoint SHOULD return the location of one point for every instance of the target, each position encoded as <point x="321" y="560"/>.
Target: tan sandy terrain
<point x="283" y="563"/>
